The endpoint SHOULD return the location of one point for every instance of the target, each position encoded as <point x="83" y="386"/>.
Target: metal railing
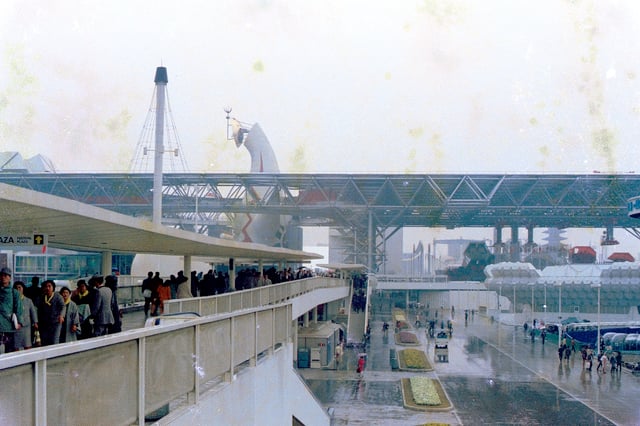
<point x="120" y="378"/>
<point x="252" y="298"/>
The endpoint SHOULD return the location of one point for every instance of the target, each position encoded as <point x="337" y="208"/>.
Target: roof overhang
<point x="343" y="266"/>
<point x="73" y="225"/>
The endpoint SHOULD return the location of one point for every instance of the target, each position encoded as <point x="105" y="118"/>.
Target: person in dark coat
<point x="207" y="284"/>
<point x="147" y="291"/>
<point x="111" y="281"/>
<point x="83" y="296"/>
<point x="51" y="313"/>
<point x="194" y="283"/>
<point x="10" y="304"/>
<point x="101" y="311"/>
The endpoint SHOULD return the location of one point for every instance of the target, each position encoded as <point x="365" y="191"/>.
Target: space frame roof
<point x="73" y="225"/>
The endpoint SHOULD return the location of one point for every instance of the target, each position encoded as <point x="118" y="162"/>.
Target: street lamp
<point x="499" y="308"/>
<point x="597" y="285"/>
<point x="559" y="285"/>
<point x="545" y="302"/>
<point x="532" y="302"/>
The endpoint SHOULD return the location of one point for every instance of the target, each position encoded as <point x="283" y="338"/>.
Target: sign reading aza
<point x="23" y="240"/>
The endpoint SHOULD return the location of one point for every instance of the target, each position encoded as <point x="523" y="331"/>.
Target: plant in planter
<point x="414" y="358"/>
<point x="424" y="391"/>
<point x="407" y="337"/>
<point x="402" y="325"/>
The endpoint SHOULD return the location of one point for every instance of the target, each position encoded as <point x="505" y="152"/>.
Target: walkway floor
<point x="495" y="376"/>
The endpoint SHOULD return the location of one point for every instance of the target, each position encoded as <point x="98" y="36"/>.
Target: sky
<point x="352" y="86"/>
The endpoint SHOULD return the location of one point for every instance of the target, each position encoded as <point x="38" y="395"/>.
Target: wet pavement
<point x="495" y="376"/>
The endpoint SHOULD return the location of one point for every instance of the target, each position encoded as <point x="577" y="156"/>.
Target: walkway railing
<point x="130" y="292"/>
<point x="118" y="379"/>
<point x="247" y="299"/>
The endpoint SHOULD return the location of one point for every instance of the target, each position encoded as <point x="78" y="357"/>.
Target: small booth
<point x="319" y="341"/>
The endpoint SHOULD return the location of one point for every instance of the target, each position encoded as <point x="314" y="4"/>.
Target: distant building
<point x="13" y="162"/>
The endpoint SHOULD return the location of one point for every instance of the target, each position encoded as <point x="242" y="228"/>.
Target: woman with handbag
<point x="71" y="325"/>
<point x="28" y="320"/>
<point x="10" y="311"/>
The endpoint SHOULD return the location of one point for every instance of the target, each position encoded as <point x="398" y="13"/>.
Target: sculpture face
<point x="258" y="228"/>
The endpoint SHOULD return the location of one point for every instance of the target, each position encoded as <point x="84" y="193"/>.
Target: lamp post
<point x="597" y="285"/>
<point x="499" y="308"/>
<point x="532" y="303"/>
<point x="545" y="302"/>
<point x="559" y="285"/>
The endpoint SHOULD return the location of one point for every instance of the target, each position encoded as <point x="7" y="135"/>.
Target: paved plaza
<point x="495" y="376"/>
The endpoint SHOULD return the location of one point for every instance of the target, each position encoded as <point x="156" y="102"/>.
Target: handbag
<point x="14" y="321"/>
<point x="146" y="293"/>
<point x="36" y="338"/>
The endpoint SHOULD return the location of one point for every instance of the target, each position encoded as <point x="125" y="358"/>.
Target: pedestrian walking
<point x="560" y="353"/>
<point x="361" y="366"/>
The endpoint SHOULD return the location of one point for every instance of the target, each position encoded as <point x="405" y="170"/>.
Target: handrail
<point x="141" y="370"/>
<point x="247" y="299"/>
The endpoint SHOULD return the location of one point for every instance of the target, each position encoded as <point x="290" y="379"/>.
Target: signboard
<point x="633" y="207"/>
<point x="23" y="240"/>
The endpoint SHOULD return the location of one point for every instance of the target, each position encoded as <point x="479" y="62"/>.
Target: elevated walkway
<point x="398" y="282"/>
<point x="234" y="365"/>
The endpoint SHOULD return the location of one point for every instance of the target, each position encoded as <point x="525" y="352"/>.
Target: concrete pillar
<point x="161" y="81"/>
<point x="314" y="312"/>
<point x="498" y="245"/>
<point x="232" y="275"/>
<point x="107" y="264"/>
<point x="514" y="249"/>
<point x="371" y="246"/>
<point x="186" y="267"/>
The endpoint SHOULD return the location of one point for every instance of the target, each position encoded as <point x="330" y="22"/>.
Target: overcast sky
<point x="337" y="85"/>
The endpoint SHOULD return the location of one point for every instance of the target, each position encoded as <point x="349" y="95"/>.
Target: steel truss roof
<point x="352" y="201"/>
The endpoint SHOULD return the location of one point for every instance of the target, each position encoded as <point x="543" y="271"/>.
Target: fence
<point x="252" y="298"/>
<point x="118" y="379"/>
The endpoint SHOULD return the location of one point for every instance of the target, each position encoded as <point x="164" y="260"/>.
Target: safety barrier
<point x="121" y="378"/>
<point x="251" y="298"/>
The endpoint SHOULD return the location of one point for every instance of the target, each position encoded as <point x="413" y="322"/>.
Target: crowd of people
<point x="156" y="291"/>
<point x="38" y="315"/>
<point x="42" y="314"/>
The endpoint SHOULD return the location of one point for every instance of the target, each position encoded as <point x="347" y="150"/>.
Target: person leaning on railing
<point x="10" y="311"/>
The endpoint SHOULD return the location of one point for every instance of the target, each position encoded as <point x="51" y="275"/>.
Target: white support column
<point x="106" y="263"/>
<point x="40" y="374"/>
<point x="230" y="372"/>
<point x="232" y="275"/>
<point x="142" y="347"/>
<point x="161" y="81"/>
<point x="254" y="359"/>
<point x="194" y="396"/>
<point x="186" y="267"/>
<point x="294" y="326"/>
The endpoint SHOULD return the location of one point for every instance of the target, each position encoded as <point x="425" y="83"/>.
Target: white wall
<point x="268" y="394"/>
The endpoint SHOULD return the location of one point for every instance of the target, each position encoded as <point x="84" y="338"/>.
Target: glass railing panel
<point x="73" y="380"/>
<point x="17" y="395"/>
<point x="169" y="366"/>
